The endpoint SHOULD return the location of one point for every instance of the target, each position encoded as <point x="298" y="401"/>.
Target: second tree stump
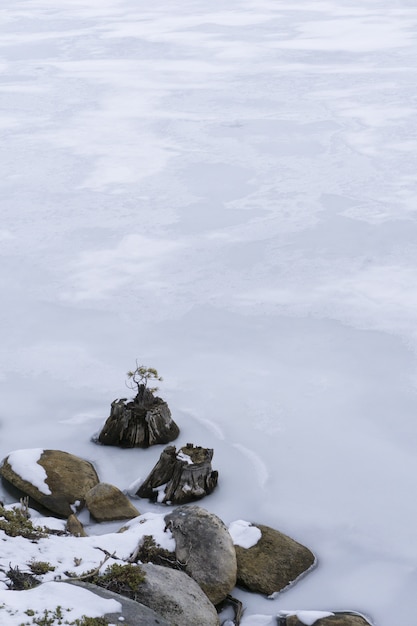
<point x="180" y="477"/>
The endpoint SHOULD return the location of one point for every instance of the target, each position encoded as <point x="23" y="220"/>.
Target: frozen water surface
<point x="227" y="193"/>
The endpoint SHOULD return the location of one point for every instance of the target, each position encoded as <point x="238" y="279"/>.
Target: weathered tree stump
<point x="180" y="477"/>
<point x="140" y="423"/>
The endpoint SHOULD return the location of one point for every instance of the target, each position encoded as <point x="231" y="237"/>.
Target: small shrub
<point x="41" y="567"/>
<point x="140" y="377"/>
<point x="123" y="579"/>
<point x="150" y="552"/>
<point x="15" y="523"/>
<point x="19" y="580"/>
<point x="51" y="618"/>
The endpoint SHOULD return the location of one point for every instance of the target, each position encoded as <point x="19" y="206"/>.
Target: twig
<point x="95" y="571"/>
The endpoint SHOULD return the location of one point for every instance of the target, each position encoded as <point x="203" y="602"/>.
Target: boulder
<point x="140" y="423"/>
<point x="273" y="563"/>
<point x="107" y="503"/>
<point x="321" y="618"/>
<point x="177" y="597"/>
<point x="205" y="548"/>
<point x="133" y="613"/>
<point x="180" y="477"/>
<point x="55" y="479"/>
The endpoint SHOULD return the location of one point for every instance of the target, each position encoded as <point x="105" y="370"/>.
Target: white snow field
<point x="227" y="192"/>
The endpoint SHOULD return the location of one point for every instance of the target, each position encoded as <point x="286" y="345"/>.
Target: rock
<point x="143" y="422"/>
<point x="134" y="613"/>
<point x="205" y="547"/>
<point x="175" y="596"/>
<point x="107" y="503"/>
<point x="75" y="527"/>
<point x="321" y="618"/>
<point x="272" y="563"/>
<point x="180" y="477"/>
<point x="59" y="480"/>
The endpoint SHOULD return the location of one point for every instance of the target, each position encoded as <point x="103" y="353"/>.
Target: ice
<point x="228" y="195"/>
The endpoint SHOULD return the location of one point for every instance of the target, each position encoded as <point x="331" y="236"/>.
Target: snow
<point x="181" y="456"/>
<point x="76" y="555"/>
<point x="161" y="492"/>
<point x="25" y="464"/>
<point x="226" y="194"/>
<point x="65" y="551"/>
<point x="244" y="534"/>
<point x="75" y="603"/>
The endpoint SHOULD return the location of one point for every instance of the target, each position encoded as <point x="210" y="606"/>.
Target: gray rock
<point x="107" y="503"/>
<point x="273" y="563"/>
<point x="175" y="596"/>
<point x="205" y="546"/>
<point x="134" y="613"/>
<point x="67" y="476"/>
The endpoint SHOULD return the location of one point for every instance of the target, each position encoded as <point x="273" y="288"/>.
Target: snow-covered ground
<point x="227" y="192"/>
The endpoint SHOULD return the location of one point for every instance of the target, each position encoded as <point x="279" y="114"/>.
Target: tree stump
<point x="180" y="477"/>
<point x="144" y="421"/>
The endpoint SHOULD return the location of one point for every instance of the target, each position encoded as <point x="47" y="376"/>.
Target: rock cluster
<point x="69" y="484"/>
<point x="182" y="587"/>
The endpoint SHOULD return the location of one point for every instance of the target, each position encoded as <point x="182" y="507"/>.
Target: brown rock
<point x="68" y="478"/>
<point x="107" y="503"/>
<point x="273" y="563"/>
<point x="75" y="527"/>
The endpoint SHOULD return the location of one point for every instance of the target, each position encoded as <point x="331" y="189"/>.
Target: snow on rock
<point x="244" y="534"/>
<point x="25" y="464"/>
<point x="306" y="617"/>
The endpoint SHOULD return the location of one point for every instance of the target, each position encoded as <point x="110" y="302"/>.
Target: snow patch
<point x="153" y="524"/>
<point x="75" y="601"/>
<point x="25" y="463"/>
<point x="161" y="493"/>
<point x="244" y="534"/>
